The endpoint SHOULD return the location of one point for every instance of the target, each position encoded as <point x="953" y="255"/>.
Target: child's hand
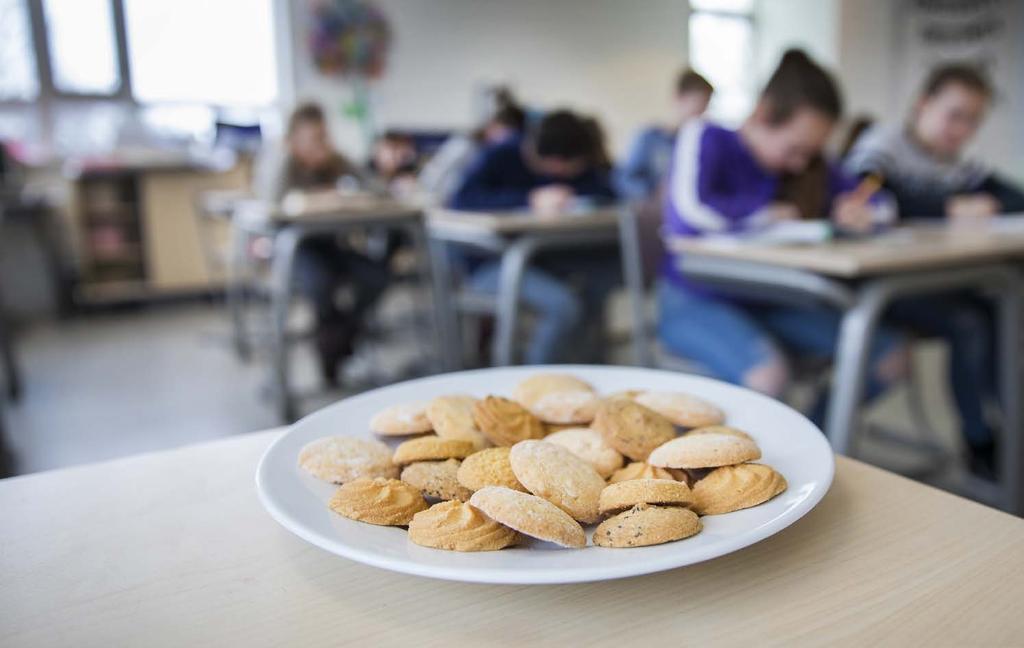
<point x="781" y="211"/>
<point x="853" y="214"/>
<point x="550" y="200"/>
<point x="971" y="208"/>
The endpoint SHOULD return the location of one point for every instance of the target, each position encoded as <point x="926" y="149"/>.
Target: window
<point x="83" y="50"/>
<point x="721" y="48"/>
<point x="18" y="79"/>
<point x="197" y="51"/>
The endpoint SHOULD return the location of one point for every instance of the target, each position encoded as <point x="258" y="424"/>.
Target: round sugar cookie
<point x="341" y="459"/>
<point x="401" y="420"/>
<point x="489" y="467"/>
<point x="627" y="494"/>
<point x="682" y="409"/>
<point x="436" y="479"/>
<point x="589" y="445"/>
<point x="452" y="418"/>
<point x="552" y="472"/>
<point x="557" y="398"/>
<point x="431" y="448"/>
<point x="704" y="451"/>
<point x="631" y="428"/>
<point x="530" y="515"/>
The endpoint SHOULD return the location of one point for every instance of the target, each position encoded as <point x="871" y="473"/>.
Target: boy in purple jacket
<point x="770" y="170"/>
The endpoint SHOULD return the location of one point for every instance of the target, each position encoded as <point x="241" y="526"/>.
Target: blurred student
<point x="553" y="169"/>
<point x="394" y="162"/>
<point x="323" y="264"/>
<point x="646" y="166"/>
<point x="923" y="165"/>
<point x="922" y="162"/>
<point x="724" y="182"/>
<point x="442" y="175"/>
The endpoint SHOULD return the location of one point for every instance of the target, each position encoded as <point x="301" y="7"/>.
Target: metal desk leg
<point x="633" y="277"/>
<point x="851" y="367"/>
<point x="433" y="287"/>
<point x="285" y="246"/>
<point x="1008" y="335"/>
<point x="235" y="292"/>
<point x="446" y="316"/>
<point x="513" y="263"/>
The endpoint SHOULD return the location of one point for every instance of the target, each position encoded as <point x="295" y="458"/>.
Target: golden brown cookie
<point x="731" y="488"/>
<point x="452" y="418"/>
<point x="489" y="467"/>
<point x="627" y="494"/>
<point x="552" y="472"/>
<point x="530" y="515"/>
<point x="631" y="428"/>
<point x="719" y="429"/>
<point x="505" y="422"/>
<point x="645" y="525"/>
<point x="628" y="394"/>
<point x="704" y="451"/>
<point x="590" y="446"/>
<point x="378" y="501"/>
<point x="640" y="470"/>
<point x="431" y="448"/>
<point x="682" y="409"/>
<point x="456" y="526"/>
<point x="341" y="459"/>
<point x="436" y="479"/>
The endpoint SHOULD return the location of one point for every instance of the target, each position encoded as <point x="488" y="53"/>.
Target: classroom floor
<point x="138" y="380"/>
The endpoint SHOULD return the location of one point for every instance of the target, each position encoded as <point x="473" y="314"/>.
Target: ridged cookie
<point x="731" y="488"/>
<point x="589" y="445"/>
<point x="645" y="525"/>
<point x="431" y="448"/>
<point x="436" y="479"/>
<point x="388" y="502"/>
<point x="640" y="470"/>
<point x="631" y="428"/>
<point x="530" y="515"/>
<point x="456" y="526"/>
<point x="704" y="451"/>
<point x="505" y="422"/>
<point x="627" y="494"/>
<point x="552" y="472"/>
<point x="682" y="409"/>
<point x="341" y="459"/>
<point x="401" y="420"/>
<point x="489" y="467"/>
<point x="452" y="418"/>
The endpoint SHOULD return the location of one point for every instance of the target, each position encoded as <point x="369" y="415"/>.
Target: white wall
<point x="614" y="58"/>
<point x="781" y="24"/>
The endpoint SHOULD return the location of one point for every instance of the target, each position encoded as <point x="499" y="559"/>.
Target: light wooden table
<point x="516" y="236"/>
<point x="861" y="278"/>
<point x="173" y="549"/>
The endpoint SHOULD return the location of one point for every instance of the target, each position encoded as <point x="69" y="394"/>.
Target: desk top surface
<point x="905" y="249"/>
<point x="173" y="548"/>
<point x="521" y="221"/>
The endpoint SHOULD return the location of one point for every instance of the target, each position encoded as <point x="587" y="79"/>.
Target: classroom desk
<point x="860" y="278"/>
<point x="302" y="217"/>
<point x="173" y="549"/>
<point x="517" y="237"/>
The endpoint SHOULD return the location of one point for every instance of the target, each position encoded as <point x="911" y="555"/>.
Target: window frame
<point x="750" y="17"/>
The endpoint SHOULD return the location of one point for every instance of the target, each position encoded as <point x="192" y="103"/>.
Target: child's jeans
<point x="730" y="338"/>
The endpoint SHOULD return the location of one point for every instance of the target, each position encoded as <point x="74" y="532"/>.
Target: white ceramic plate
<point x="790" y="443"/>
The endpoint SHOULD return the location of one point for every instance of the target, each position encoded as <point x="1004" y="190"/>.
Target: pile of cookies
<point x="553" y="458"/>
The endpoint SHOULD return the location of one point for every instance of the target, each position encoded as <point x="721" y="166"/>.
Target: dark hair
<point x="563" y="134"/>
<point x="689" y="81"/>
<point x="956" y="73"/>
<point x="305" y="113"/>
<point x="511" y="116"/>
<point x="857" y="127"/>
<point x="599" y="157"/>
<point x="798" y="82"/>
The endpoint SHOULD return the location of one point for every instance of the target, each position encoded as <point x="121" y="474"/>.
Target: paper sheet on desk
<point x="784" y="233"/>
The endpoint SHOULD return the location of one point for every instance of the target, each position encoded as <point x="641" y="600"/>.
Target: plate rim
<point x="508" y="576"/>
